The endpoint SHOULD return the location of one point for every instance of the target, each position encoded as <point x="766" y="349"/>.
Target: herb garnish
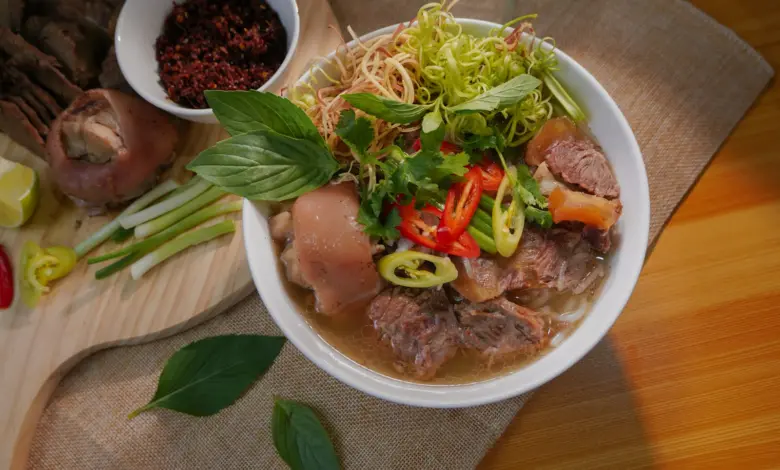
<point x="208" y="375"/>
<point x="300" y="439"/>
<point x="501" y="96"/>
<point x="275" y="154"/>
<point x="387" y="109"/>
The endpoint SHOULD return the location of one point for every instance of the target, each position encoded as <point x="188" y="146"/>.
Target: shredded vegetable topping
<point x="431" y="61"/>
<point x="376" y="67"/>
<point x="456" y="67"/>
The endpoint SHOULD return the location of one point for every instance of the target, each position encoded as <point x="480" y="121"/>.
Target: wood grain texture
<point x="81" y="315"/>
<point x="689" y="377"/>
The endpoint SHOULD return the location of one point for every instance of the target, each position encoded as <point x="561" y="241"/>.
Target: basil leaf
<point x="503" y="95"/>
<point x="387" y="109"/>
<point x="208" y="375"/>
<point x="264" y="165"/>
<point x="541" y="217"/>
<point x="246" y="111"/>
<point x="356" y="133"/>
<point x="300" y="439"/>
<point x="432" y="134"/>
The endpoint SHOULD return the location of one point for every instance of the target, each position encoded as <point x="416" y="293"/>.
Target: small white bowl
<point x="139" y="25"/>
<point x="614" y="134"/>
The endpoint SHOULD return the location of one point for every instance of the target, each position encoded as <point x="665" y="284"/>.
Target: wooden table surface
<point x="689" y="377"/>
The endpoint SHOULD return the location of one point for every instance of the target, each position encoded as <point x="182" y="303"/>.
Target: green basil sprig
<point x="389" y="110"/>
<point x="208" y="375"/>
<point x="300" y="439"/>
<point x="499" y="97"/>
<point x="264" y="165"/>
<point x="240" y="112"/>
<point x="275" y="154"/>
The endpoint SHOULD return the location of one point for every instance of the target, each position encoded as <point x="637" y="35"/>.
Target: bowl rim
<point x="346" y="370"/>
<point x="176" y="109"/>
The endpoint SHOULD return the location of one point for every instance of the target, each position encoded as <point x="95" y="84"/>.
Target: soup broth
<point x="354" y="335"/>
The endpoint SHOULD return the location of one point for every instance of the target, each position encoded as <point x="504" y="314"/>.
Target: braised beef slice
<point x="500" y="328"/>
<point x="38" y="66"/>
<point x="110" y="74"/>
<point x="600" y="240"/>
<point x="479" y="279"/>
<point x="32" y="116"/>
<point x="11" y="14"/>
<point x="27" y="88"/>
<point x="556" y="258"/>
<point x="97" y="15"/>
<point x="582" y="164"/>
<point x="419" y="326"/>
<point x="69" y="44"/>
<point x="14" y="123"/>
<point x="573" y="157"/>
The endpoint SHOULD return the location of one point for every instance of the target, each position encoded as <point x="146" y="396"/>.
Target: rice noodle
<point x="376" y="66"/>
<point x="557" y="339"/>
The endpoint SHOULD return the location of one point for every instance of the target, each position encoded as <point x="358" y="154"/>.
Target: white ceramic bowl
<point x="140" y="23"/>
<point x="614" y="135"/>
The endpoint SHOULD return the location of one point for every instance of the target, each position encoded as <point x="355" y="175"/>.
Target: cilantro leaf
<point x="529" y="188"/>
<point x="373" y="225"/>
<point x="541" y="217"/>
<point x="357" y="133"/>
<point x="452" y="165"/>
<point x="484" y="142"/>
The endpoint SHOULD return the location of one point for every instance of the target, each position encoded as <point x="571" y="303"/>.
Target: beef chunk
<point x="35" y="64"/>
<point x="600" y="240"/>
<point x="479" y="279"/>
<point x="69" y="44"/>
<point x="557" y="258"/>
<point x="33" y="27"/>
<point x="584" y="165"/>
<point x="573" y="157"/>
<point x="14" y="123"/>
<point x="97" y="15"/>
<point x="420" y="327"/>
<point x="500" y="328"/>
<point x="27" y="88"/>
<point x="11" y="13"/>
<point x="110" y="74"/>
<point x="31" y="114"/>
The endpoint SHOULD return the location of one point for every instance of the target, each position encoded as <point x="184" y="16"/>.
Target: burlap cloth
<point x="683" y="82"/>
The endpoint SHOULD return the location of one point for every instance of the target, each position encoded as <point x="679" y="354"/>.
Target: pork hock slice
<point x="109" y="147"/>
<point x="333" y="252"/>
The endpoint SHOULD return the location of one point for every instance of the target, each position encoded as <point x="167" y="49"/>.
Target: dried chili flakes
<point x="218" y="45"/>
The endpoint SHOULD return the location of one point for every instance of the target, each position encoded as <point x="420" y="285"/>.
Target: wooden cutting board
<point x="82" y="315"/>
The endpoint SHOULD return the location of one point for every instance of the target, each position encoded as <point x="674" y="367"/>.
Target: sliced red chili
<point x="465" y="247"/>
<point x="492" y="174"/>
<point x="414" y="227"/>
<point x="461" y="204"/>
<point x="446" y="147"/>
<point x="6" y="280"/>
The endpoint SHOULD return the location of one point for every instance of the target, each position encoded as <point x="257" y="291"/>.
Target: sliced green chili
<point x="508" y="221"/>
<point x="403" y="269"/>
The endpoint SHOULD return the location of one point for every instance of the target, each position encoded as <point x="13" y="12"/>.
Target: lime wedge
<point x="18" y="193"/>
